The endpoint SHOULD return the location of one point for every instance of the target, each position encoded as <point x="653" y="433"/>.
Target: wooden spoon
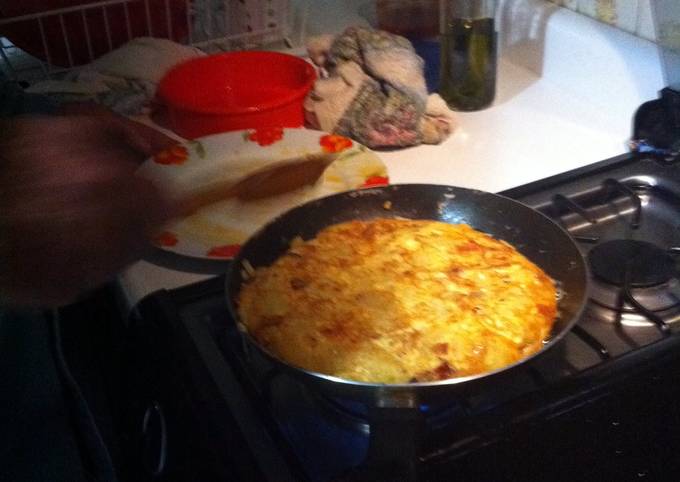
<point x="283" y="176"/>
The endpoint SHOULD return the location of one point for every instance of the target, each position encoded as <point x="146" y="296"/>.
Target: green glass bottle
<point x="467" y="79"/>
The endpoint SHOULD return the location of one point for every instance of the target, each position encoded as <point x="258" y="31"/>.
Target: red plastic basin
<point x="235" y="90"/>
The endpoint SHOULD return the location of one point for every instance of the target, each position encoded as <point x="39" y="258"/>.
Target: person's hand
<point x="72" y="213"/>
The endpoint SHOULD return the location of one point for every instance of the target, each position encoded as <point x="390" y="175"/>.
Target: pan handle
<point x="394" y="442"/>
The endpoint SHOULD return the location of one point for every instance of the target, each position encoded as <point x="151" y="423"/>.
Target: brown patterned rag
<point x="372" y="89"/>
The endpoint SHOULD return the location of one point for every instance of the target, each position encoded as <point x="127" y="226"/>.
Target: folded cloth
<point x="372" y="89"/>
<point x="144" y="58"/>
<point x="124" y="79"/>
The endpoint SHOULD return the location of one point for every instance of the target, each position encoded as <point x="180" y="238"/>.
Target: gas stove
<point x="623" y="213"/>
<point x="600" y="405"/>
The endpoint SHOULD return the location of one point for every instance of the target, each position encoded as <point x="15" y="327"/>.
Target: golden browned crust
<point x="396" y="301"/>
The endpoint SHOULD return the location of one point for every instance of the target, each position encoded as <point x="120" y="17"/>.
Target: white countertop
<point x="532" y="131"/>
<point x="565" y="99"/>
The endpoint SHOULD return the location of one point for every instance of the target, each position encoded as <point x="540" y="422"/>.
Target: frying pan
<point x="534" y="235"/>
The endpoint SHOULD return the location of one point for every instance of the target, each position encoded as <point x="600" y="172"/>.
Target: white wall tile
<point x="620" y="13"/>
<point x="570" y="4"/>
<point x="645" y="22"/>
<point x="634" y="16"/>
<point x="627" y="15"/>
<point x="588" y="7"/>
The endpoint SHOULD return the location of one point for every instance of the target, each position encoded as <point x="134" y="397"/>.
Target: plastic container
<point x="235" y="90"/>
<point x="418" y="21"/>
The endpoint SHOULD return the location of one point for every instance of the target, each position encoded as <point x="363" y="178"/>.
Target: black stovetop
<point x="601" y="405"/>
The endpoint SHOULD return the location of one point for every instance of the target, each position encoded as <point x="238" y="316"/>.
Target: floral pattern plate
<point x="217" y="231"/>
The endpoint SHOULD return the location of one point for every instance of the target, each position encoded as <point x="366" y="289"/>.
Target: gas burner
<point x="657" y="298"/>
<point x="635" y="264"/>
<point x="345" y="413"/>
<point x="637" y="280"/>
<point x="357" y="416"/>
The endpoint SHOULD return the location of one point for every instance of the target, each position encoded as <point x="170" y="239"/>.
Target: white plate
<point x="217" y="231"/>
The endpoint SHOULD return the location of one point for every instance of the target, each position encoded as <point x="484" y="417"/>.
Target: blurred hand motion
<point x="72" y="213"/>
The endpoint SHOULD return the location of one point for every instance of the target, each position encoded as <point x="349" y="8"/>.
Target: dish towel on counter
<point x="372" y="89"/>
<point x="124" y="79"/>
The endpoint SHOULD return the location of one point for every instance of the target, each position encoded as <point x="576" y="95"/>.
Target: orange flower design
<point x="176" y="154"/>
<point x="265" y="136"/>
<point x="334" y="143"/>
<point x="166" y="239"/>
<point x="374" y="181"/>
<point x="226" y="251"/>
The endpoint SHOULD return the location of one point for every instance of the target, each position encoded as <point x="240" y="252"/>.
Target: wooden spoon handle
<point x="279" y="178"/>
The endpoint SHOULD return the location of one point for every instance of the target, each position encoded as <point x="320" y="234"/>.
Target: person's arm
<point x="72" y="213"/>
<point x="14" y="101"/>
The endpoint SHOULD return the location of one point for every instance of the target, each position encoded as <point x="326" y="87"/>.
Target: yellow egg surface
<point x="399" y="301"/>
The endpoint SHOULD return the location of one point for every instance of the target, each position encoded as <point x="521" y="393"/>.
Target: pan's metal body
<point x="534" y="235"/>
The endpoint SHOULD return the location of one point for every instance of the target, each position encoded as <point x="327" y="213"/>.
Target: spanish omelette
<point x="398" y="301"/>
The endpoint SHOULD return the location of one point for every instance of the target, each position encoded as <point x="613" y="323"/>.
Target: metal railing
<point x="62" y="39"/>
